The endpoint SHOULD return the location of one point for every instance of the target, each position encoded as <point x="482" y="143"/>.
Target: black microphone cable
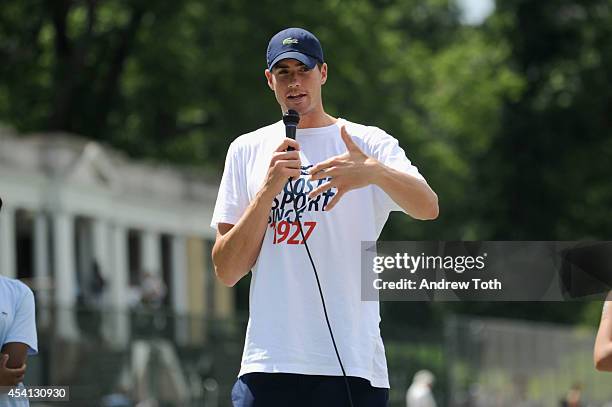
<point x="291" y="119"/>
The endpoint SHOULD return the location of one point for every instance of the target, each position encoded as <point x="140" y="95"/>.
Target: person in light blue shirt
<point x="18" y="337"/>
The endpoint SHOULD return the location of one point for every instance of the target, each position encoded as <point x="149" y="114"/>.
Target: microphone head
<point x="291" y="118"/>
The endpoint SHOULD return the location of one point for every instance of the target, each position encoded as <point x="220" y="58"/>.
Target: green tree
<point x="510" y="122"/>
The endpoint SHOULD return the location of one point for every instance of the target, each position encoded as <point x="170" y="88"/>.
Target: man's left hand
<point x="351" y="170"/>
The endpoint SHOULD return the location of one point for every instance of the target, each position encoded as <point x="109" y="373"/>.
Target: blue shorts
<point x="297" y="390"/>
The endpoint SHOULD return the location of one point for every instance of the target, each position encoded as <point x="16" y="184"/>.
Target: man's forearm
<point x="603" y="342"/>
<point x="236" y="251"/>
<point x="412" y="194"/>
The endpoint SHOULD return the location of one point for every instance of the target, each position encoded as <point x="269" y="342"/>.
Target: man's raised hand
<point x="348" y="171"/>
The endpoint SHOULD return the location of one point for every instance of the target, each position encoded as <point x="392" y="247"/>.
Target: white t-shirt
<point x="17" y="324"/>
<point x="287" y="331"/>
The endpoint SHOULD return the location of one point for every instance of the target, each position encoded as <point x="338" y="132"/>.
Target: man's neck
<point x="316" y="119"/>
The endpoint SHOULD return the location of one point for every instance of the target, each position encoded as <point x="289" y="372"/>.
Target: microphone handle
<point x="290" y="133"/>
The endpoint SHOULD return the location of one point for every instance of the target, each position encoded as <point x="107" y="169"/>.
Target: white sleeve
<point x="232" y="199"/>
<point x="387" y="150"/>
<point x="23" y="328"/>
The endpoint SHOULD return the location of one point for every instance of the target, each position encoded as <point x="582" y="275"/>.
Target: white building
<point x="72" y="205"/>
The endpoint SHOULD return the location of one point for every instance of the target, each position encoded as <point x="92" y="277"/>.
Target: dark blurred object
<point x="586" y="269"/>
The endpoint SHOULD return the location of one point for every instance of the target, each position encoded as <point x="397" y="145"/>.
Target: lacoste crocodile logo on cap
<point x="289" y="41"/>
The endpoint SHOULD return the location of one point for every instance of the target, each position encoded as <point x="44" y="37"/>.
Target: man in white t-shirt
<point x="17" y="337"/>
<point x="360" y="172"/>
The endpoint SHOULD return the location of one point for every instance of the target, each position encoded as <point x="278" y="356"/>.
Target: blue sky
<point x="476" y="11"/>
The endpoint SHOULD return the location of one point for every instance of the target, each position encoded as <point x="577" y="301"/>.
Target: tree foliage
<point x="510" y="121"/>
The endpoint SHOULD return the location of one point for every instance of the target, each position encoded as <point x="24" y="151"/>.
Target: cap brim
<point x="309" y="61"/>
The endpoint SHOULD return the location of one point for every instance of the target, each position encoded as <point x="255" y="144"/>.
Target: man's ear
<point x="323" y="73"/>
<point x="269" y="78"/>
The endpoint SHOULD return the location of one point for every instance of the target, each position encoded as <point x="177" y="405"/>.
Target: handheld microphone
<point x="291" y="119"/>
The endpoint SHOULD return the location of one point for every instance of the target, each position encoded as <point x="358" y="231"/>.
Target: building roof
<point x="63" y="161"/>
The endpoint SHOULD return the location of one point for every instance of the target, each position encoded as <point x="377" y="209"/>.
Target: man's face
<point x="297" y="87"/>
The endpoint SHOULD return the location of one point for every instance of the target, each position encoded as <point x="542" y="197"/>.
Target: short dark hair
<point x="319" y="64"/>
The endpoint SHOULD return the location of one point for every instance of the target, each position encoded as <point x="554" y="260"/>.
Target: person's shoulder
<point x="257" y="137"/>
<point x="18" y="288"/>
<point x="353" y="128"/>
<point x="13" y="283"/>
<point x="370" y="134"/>
<point x="24" y="290"/>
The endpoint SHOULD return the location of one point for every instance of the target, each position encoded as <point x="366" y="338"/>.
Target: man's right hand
<point x="237" y="246"/>
<point x="10" y="377"/>
<point x="284" y="164"/>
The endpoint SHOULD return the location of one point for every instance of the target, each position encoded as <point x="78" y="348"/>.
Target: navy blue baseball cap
<point x="294" y="43"/>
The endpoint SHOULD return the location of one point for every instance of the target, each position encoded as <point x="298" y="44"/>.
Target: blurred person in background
<point x="602" y="353"/>
<point x="573" y="397"/>
<point x="120" y="398"/>
<point x="153" y="290"/>
<point x="97" y="285"/>
<point x="347" y="179"/>
<point x="419" y="392"/>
